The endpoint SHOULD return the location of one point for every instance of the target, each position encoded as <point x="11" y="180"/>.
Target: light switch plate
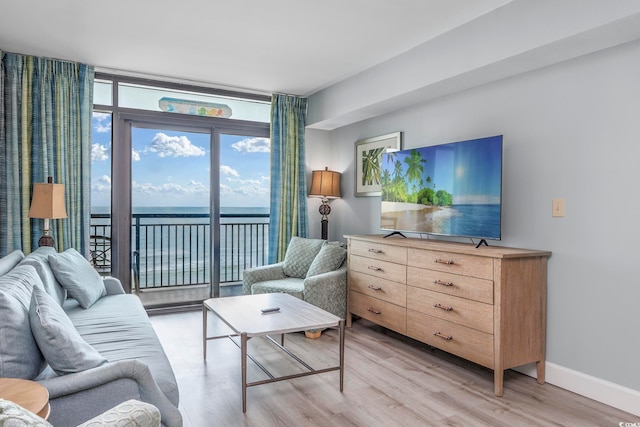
<point x="557" y="208"/>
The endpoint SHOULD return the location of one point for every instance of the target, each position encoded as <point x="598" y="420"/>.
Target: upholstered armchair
<point x="313" y="270"/>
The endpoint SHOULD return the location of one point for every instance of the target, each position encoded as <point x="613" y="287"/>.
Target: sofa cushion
<point x="300" y="254"/>
<point x="20" y="356"/>
<point x="290" y="285"/>
<point x="329" y="258"/>
<point x="10" y="261"/>
<point x="39" y="259"/>
<point x="78" y="277"/>
<point x="62" y="346"/>
<point x="118" y="327"/>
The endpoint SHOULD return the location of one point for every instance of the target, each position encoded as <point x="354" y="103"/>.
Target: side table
<point x="28" y="394"/>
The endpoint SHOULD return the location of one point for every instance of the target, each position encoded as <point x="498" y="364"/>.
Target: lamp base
<point x="46" y="240"/>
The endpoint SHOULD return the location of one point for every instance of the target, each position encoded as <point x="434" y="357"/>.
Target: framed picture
<point x="368" y="156"/>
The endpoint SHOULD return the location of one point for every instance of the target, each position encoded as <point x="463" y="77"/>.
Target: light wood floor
<point x="389" y="381"/>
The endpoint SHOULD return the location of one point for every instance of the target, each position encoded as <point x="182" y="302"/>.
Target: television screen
<point x="452" y="189"/>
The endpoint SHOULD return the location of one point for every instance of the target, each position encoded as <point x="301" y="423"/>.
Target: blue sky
<point x="171" y="168"/>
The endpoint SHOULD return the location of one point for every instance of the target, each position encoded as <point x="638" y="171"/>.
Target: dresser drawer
<point x="452" y="284"/>
<point x="386" y="290"/>
<point x="382" y="269"/>
<point x="449" y="262"/>
<point x="468" y="343"/>
<point x="381" y="312"/>
<point x="379" y="251"/>
<point x="465" y="312"/>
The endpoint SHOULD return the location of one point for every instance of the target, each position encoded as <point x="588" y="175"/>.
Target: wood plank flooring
<point x="390" y="380"/>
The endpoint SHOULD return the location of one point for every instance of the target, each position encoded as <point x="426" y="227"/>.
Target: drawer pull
<point x="440" y="282"/>
<point x="443" y="307"/>
<point x="374" y="311"/>
<point x="375" y="251"/>
<point x="375" y="288"/>
<point x="444" y="337"/>
<point x="444" y="261"/>
<point x="373" y="267"/>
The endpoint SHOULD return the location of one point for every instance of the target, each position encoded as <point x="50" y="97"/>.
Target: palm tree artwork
<point x="371" y="170"/>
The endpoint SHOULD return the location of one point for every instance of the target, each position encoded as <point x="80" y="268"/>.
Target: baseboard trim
<point x="600" y="390"/>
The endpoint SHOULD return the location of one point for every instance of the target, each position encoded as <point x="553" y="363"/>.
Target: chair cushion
<point x="329" y="258"/>
<point x="78" y="277"/>
<point x="20" y="356"/>
<point x="290" y="285"/>
<point x="62" y="346"/>
<point x="39" y="259"/>
<point x="300" y="254"/>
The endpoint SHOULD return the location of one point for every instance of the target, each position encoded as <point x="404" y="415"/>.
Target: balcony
<point x="171" y="253"/>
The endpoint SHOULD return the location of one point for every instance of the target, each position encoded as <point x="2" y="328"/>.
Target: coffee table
<point x="244" y="316"/>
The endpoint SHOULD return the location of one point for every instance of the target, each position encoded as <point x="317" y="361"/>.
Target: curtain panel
<point x="288" y="209"/>
<point x="45" y="130"/>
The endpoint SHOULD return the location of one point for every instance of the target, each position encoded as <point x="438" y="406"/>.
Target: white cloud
<point x="171" y="189"/>
<point x="245" y="187"/>
<point x="174" y="146"/>
<point x="135" y="156"/>
<point x="102" y="122"/>
<point x="101" y="184"/>
<point x="228" y="170"/>
<point x="253" y="145"/>
<point x="99" y="152"/>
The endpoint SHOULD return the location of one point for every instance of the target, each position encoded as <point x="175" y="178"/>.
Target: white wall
<point x="571" y="130"/>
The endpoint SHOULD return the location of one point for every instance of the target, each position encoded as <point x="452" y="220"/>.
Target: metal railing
<point x="173" y="250"/>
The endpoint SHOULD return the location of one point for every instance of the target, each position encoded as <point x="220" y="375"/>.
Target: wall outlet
<point x="557" y="207"/>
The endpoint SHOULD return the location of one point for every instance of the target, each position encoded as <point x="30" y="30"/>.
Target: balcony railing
<point x="173" y="250"/>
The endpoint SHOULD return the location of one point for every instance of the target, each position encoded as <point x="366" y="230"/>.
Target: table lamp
<point x="47" y="203"/>
<point x="325" y="184"/>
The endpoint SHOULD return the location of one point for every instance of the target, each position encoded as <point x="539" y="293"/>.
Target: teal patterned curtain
<point x="288" y="213"/>
<point x="45" y="130"/>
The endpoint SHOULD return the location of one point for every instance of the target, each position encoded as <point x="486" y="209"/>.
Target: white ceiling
<point x="290" y="46"/>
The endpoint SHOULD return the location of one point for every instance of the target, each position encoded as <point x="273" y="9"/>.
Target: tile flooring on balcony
<point x="183" y="296"/>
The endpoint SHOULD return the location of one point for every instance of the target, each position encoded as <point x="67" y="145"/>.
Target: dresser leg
<point x="498" y="380"/>
<point x="540" y="368"/>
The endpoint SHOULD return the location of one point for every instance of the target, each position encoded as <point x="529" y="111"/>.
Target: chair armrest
<point x="328" y="291"/>
<point x="87" y="394"/>
<point x="261" y="274"/>
<point x="132" y="412"/>
<point x="113" y="286"/>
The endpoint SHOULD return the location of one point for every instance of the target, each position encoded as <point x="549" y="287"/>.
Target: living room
<point x="564" y="96"/>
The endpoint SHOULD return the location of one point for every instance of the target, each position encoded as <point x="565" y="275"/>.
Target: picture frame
<point x="368" y="156"/>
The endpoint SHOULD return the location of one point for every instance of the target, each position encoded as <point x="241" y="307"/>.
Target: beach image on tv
<point x="450" y="189"/>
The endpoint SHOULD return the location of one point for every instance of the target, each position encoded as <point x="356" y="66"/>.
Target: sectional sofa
<point x="90" y="344"/>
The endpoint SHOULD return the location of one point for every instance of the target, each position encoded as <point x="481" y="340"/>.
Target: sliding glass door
<point x="171" y="213"/>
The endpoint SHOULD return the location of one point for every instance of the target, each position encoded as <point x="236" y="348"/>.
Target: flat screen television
<point x="452" y="189"/>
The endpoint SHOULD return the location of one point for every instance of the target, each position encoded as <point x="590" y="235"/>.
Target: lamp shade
<point x="48" y="201"/>
<point x="325" y="183"/>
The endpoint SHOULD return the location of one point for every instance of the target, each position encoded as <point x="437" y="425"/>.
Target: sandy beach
<point x="415" y="217"/>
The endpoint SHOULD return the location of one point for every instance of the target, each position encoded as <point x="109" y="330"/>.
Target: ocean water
<point x="175" y="250"/>
<point x="474" y="221"/>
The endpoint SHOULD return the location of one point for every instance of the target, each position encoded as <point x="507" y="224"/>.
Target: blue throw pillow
<point x="78" y="277"/>
<point x="63" y="347"/>
<point x="19" y="353"/>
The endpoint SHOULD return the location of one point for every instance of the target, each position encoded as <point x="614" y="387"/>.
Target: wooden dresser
<point x="486" y="304"/>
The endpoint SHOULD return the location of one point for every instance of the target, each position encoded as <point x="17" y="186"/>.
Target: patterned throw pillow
<point x="328" y="259"/>
<point x="12" y="414"/>
<point x="300" y="254"/>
